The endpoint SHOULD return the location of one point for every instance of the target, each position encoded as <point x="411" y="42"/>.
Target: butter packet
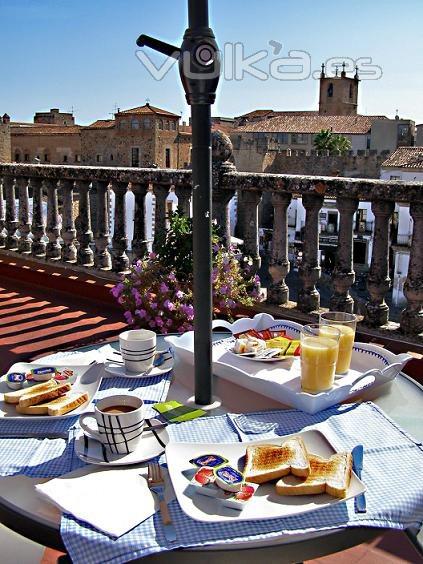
<point x="239" y="500"/>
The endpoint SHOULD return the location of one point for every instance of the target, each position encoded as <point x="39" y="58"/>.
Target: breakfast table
<point x="23" y="510"/>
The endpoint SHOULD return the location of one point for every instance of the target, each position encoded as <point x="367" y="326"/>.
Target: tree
<point x="326" y="140"/>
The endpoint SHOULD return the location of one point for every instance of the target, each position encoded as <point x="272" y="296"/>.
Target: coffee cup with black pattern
<point x="117" y="422"/>
<point x="138" y="349"/>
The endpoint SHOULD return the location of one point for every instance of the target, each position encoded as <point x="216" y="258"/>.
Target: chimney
<point x="6" y="118"/>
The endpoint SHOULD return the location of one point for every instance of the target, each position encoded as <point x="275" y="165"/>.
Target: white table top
<point x="402" y="401"/>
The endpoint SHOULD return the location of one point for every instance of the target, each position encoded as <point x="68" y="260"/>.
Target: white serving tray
<point x="85" y="379"/>
<point x="266" y="503"/>
<point x="371" y="366"/>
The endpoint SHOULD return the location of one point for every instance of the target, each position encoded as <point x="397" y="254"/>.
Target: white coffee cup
<point x="117" y="422"/>
<point x="138" y="349"/>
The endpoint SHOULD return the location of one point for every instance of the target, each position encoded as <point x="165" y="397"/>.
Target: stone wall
<point x="53" y="148"/>
<point x="5" y="143"/>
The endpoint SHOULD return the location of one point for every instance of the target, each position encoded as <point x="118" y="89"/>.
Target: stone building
<point x="54" y="117"/>
<point x="338" y="94"/>
<point x="5" y="143"/>
<point x="139" y="137"/>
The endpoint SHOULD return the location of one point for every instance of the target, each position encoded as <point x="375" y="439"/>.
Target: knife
<point x="357" y="455"/>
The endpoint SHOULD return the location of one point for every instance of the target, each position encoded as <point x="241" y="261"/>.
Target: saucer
<point x="152" y="444"/>
<point x="119" y="369"/>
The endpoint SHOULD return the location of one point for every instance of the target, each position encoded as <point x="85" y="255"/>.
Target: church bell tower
<point x="338" y="94"/>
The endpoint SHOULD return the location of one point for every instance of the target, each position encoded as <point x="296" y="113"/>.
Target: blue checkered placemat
<point x="393" y="473"/>
<point x="40" y="458"/>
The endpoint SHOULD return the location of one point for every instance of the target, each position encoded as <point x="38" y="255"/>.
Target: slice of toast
<point x="67" y="403"/>
<point x="14" y="397"/>
<point x="34" y="398"/>
<point x="330" y="476"/>
<point x="269" y="462"/>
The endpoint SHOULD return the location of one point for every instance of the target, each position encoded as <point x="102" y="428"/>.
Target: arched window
<point x="330" y="90"/>
<point x="166" y="124"/>
<point x="147" y="123"/>
<point x="351" y="91"/>
<point x="135" y="124"/>
<point x="160" y="124"/>
<point x="173" y="125"/>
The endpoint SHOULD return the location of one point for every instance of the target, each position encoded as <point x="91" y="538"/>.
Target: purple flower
<point x="224" y="289"/>
<point x="159" y="321"/>
<point x="169" y="305"/>
<point x="152" y="256"/>
<point x="128" y="317"/>
<point x="137" y="296"/>
<point x="179" y="294"/>
<point x="163" y="288"/>
<point x="152" y="324"/>
<point x="117" y="290"/>
<point x="153" y="305"/>
<point x="141" y="313"/>
<point x="171" y="277"/>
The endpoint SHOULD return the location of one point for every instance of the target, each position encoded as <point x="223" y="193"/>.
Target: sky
<point x="81" y="54"/>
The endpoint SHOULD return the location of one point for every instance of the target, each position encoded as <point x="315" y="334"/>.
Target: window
<point x="147" y="123"/>
<point x="403" y="131"/>
<point x="77" y="158"/>
<point x="173" y="125"/>
<point x="330" y="90"/>
<point x="351" y="91"/>
<point x="135" y="124"/>
<point x="65" y="158"/>
<point x="17" y="157"/>
<point x="99" y="158"/>
<point x="135" y="156"/>
<point x="282" y="138"/>
<point x="111" y="157"/>
<point x="123" y="124"/>
<point x="46" y="158"/>
<point x="299" y="138"/>
<point x="160" y="124"/>
<point x="26" y="157"/>
<point x="166" y="124"/>
<point x="167" y="158"/>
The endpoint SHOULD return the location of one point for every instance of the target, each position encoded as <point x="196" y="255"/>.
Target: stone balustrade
<point x="86" y="241"/>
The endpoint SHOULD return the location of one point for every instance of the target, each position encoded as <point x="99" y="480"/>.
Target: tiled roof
<point x="45" y="129"/>
<point x="147" y="109"/>
<point x="305" y="122"/>
<point x="405" y="157"/>
<point x="256" y="113"/>
<point x="101" y="124"/>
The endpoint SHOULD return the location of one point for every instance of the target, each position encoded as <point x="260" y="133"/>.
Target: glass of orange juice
<point x="319" y="353"/>
<point x="346" y="323"/>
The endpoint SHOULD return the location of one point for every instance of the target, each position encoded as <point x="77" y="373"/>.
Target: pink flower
<point x="179" y="294"/>
<point x="152" y="256"/>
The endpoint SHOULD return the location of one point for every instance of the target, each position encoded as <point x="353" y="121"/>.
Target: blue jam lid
<point x="18" y="377"/>
<point x="229" y="475"/>
<point x="44" y="370"/>
<point x="210" y="460"/>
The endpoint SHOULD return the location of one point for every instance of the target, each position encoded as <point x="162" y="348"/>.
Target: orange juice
<point x="318" y="363"/>
<point x="346" y="342"/>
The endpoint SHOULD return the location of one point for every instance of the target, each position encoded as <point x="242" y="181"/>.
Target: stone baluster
<point x="279" y="263"/>
<point x="120" y="260"/>
<point x="102" y="258"/>
<point x="343" y="275"/>
<point x="3" y="232"/>
<point x="85" y="256"/>
<point x="184" y="194"/>
<point x="53" y="249"/>
<point x="250" y="200"/>
<point x="139" y="242"/>
<point x="378" y="281"/>
<point x="25" y="241"/>
<point x="161" y="193"/>
<point x="221" y="213"/>
<point x="309" y="270"/>
<point x="69" y="253"/>
<point x="412" y="315"/>
<point x="38" y="224"/>
<point x="11" y="215"/>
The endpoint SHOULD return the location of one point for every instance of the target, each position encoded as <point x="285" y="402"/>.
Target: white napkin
<point x="113" y="501"/>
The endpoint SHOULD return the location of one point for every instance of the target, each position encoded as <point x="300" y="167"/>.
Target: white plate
<point x="118" y="369"/>
<point x="93" y="452"/>
<point x="85" y="379"/>
<point x="266" y="503"/>
<point x="255" y="359"/>
<point x="371" y="366"/>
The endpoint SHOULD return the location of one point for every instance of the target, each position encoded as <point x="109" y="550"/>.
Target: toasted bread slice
<point x="34" y="398"/>
<point x="67" y="403"/>
<point x="268" y="462"/>
<point x="40" y="409"/>
<point x="14" y="397"/>
<point x="330" y="476"/>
